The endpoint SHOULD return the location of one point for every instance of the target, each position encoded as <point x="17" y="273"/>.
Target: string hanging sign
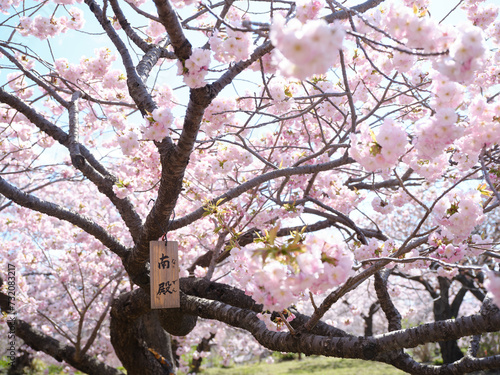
<point x="164" y="271"/>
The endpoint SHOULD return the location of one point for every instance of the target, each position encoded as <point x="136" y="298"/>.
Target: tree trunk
<point x="203" y="346"/>
<point x="22" y="361"/>
<point x="450" y="351"/>
<point x="369" y="319"/>
<point x="142" y="345"/>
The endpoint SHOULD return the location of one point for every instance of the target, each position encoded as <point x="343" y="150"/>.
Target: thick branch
<point x="137" y="88"/>
<point x="464" y="365"/>
<point x="244" y="316"/>
<point x="139" y="42"/>
<point x="361" y="8"/>
<point x="148" y="62"/>
<point x="74" y="130"/>
<point x="351" y="347"/>
<point x="94" y="170"/>
<point x="201" y="287"/>
<point x="468" y="283"/>
<point x="134" y="339"/>
<point x="133" y="304"/>
<point x="324" y="339"/>
<point x="374" y="307"/>
<point x="174" y="160"/>
<point x="254" y="182"/>
<point x="457" y="301"/>
<point x="252" y="234"/>
<point x="35" y="79"/>
<point x="168" y="18"/>
<point x="391" y="312"/>
<point x="130" y="306"/>
<point x="54" y="210"/>
<point x="354" y="282"/>
<point x="61" y="352"/>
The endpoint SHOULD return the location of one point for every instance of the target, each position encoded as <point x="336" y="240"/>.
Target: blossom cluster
<point x="276" y="324"/>
<point x="306" y="49"/>
<point x="155" y="30"/>
<point x="465" y="56"/>
<point x="158" y="124"/>
<point x="278" y="284"/>
<point x="458" y="214"/>
<point x="412" y="25"/>
<point x="374" y="249"/>
<point x="481" y="15"/>
<point x="492" y="284"/>
<point x="382" y="206"/>
<point x="47" y="27"/>
<point x="128" y="142"/>
<point x="437" y="132"/>
<point x="5" y="5"/>
<point x="308" y="10"/>
<point x="194" y="69"/>
<point x="381" y="151"/>
<point x="235" y="46"/>
<point x="483" y="128"/>
<point x="230" y="157"/>
<point x="89" y="68"/>
<point x="18" y="83"/>
<point x="219" y="113"/>
<point x="341" y="197"/>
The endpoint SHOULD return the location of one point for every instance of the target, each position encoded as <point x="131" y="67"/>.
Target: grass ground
<point x="306" y="366"/>
<point x="309" y="365"/>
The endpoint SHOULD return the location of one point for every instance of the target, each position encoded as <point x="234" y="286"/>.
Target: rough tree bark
<point x="450" y="351"/>
<point x="369" y="318"/>
<point x="140" y="342"/>
<point x="443" y="309"/>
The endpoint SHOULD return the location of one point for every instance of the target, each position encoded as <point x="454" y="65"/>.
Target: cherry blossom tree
<point x="305" y="155"/>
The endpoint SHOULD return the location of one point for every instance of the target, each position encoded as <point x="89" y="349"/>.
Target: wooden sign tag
<point x="164" y="272"/>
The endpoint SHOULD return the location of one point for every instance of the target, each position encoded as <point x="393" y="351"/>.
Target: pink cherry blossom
<point x="306" y="49"/>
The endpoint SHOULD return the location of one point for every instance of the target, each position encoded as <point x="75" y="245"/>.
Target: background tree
<point x="273" y="140"/>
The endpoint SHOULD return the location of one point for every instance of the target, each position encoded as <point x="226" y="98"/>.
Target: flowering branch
<point x="94" y="170"/>
<point x="256" y="181"/>
<point x="141" y="43"/>
<point x="54" y="210"/>
<point x="168" y="18"/>
<point x="137" y="87"/>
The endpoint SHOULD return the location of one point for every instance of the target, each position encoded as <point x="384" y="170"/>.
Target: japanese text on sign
<point x="164" y="274"/>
